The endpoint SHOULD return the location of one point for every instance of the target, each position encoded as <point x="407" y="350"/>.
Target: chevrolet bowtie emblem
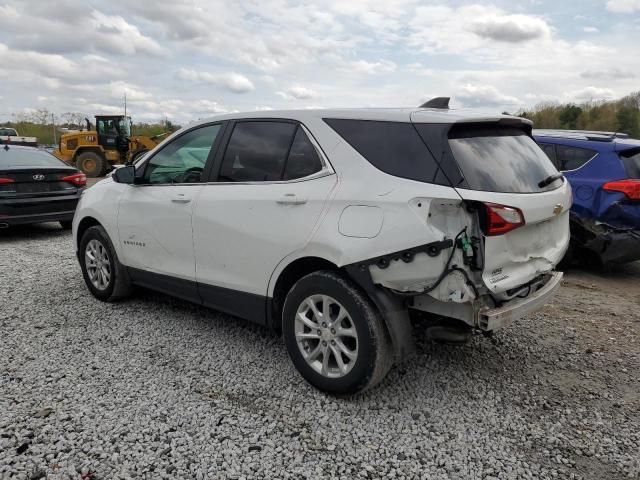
<point x="557" y="210"/>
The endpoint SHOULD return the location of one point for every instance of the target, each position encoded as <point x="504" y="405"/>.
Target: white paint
<point x="243" y="235"/>
<point x="361" y="221"/>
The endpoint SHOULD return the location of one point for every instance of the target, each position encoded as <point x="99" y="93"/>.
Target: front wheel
<point x="335" y="335"/>
<point x="106" y="278"/>
<point x="91" y="164"/>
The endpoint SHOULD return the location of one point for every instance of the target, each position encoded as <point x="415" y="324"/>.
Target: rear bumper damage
<point x="497" y="318"/>
<point x="610" y="243"/>
<point x="479" y="315"/>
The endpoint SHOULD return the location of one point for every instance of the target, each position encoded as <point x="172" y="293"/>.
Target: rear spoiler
<point x="504" y="122"/>
<point x="24" y="141"/>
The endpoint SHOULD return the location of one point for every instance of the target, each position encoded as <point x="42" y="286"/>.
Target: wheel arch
<point x="394" y="312"/>
<point x="287" y="277"/>
<point x="83" y="226"/>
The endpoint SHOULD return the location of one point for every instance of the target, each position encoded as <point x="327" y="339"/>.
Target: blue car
<point x="603" y="169"/>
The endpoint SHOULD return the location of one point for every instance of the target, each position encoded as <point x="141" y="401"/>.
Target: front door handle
<point x="291" y="199"/>
<point x="180" y="198"/>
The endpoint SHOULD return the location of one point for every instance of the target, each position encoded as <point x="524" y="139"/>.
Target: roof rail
<point x="594" y="135"/>
<point x="438" y="102"/>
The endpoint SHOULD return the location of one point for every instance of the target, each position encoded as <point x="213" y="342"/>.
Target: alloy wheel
<point x="97" y="264"/>
<point x="326" y="336"/>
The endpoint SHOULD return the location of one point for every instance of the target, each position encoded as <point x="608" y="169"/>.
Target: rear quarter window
<point x="500" y="159"/>
<point x="572" y="158"/>
<point x="631" y="161"/>
<point x="395" y="148"/>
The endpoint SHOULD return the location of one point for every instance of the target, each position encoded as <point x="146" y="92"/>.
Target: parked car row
<point x="336" y="227"/>
<point x="604" y="171"/>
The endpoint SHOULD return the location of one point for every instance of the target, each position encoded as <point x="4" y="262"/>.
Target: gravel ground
<point x="158" y="388"/>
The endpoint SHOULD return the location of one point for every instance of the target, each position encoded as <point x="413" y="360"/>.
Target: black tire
<point x="374" y="351"/>
<point x="66" y="224"/>
<point x="91" y="164"/>
<point x="119" y="284"/>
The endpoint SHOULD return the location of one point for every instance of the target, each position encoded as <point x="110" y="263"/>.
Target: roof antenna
<point x="438" y="102"/>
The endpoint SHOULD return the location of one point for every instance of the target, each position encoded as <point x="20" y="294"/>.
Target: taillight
<point x="78" y="179"/>
<point x="630" y="187"/>
<point x="501" y="219"/>
<point x="4" y="180"/>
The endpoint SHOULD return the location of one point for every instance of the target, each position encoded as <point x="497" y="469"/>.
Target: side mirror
<point x="126" y="174"/>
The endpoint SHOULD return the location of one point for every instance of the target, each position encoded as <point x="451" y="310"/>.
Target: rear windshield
<point x="631" y="160"/>
<point x="26" y="157"/>
<point x="501" y="159"/>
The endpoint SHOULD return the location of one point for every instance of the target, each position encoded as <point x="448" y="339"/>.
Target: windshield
<point x="125" y="127"/>
<point x="27" y="157"/>
<point x="502" y="160"/>
<point x="8" y="132"/>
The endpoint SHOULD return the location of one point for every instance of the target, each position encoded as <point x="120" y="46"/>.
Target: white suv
<point x="331" y="226"/>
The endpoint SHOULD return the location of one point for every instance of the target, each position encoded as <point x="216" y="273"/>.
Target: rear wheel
<point x="105" y="276"/>
<point x="335" y="335"/>
<point x="91" y="164"/>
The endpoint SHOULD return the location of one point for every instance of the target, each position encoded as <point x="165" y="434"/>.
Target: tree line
<point x="41" y="124"/>
<point x="621" y="115"/>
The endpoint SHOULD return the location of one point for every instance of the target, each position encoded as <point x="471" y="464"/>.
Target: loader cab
<point x="113" y="132"/>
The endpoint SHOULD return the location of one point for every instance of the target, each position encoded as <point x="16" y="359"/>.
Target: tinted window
<point x="182" y="160"/>
<point x="550" y="151"/>
<point x="631" y="160"/>
<point x="303" y="158"/>
<point x="257" y="152"/>
<point x="26" y="157"/>
<point x="500" y="159"/>
<point x="393" y="147"/>
<point x="570" y="158"/>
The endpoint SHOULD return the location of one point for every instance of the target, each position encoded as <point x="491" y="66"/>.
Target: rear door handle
<point x="291" y="199"/>
<point x="180" y="198"/>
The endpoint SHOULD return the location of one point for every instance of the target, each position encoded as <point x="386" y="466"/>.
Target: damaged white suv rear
<point x="332" y="226"/>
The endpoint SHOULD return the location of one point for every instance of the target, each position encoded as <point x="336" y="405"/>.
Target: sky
<point x="190" y="59"/>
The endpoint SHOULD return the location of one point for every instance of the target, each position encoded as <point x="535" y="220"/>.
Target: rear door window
<point x="393" y="147"/>
<point x="572" y="158"/>
<point x="500" y="159"/>
<point x="631" y="161"/>
<point x="257" y="151"/>
<point x="303" y="159"/>
<point x="550" y="151"/>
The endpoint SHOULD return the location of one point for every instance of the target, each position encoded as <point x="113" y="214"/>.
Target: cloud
<point x="234" y="82"/>
<point x="591" y="93"/>
<point x="365" y="67"/>
<point x="590" y="29"/>
<point x="613" y="73"/>
<point x="298" y="93"/>
<point x="623" y="6"/>
<point x="38" y="27"/>
<point x="484" y="96"/>
<point x="509" y="28"/>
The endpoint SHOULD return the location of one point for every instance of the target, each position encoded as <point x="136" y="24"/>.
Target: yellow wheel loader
<point x="95" y="151"/>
